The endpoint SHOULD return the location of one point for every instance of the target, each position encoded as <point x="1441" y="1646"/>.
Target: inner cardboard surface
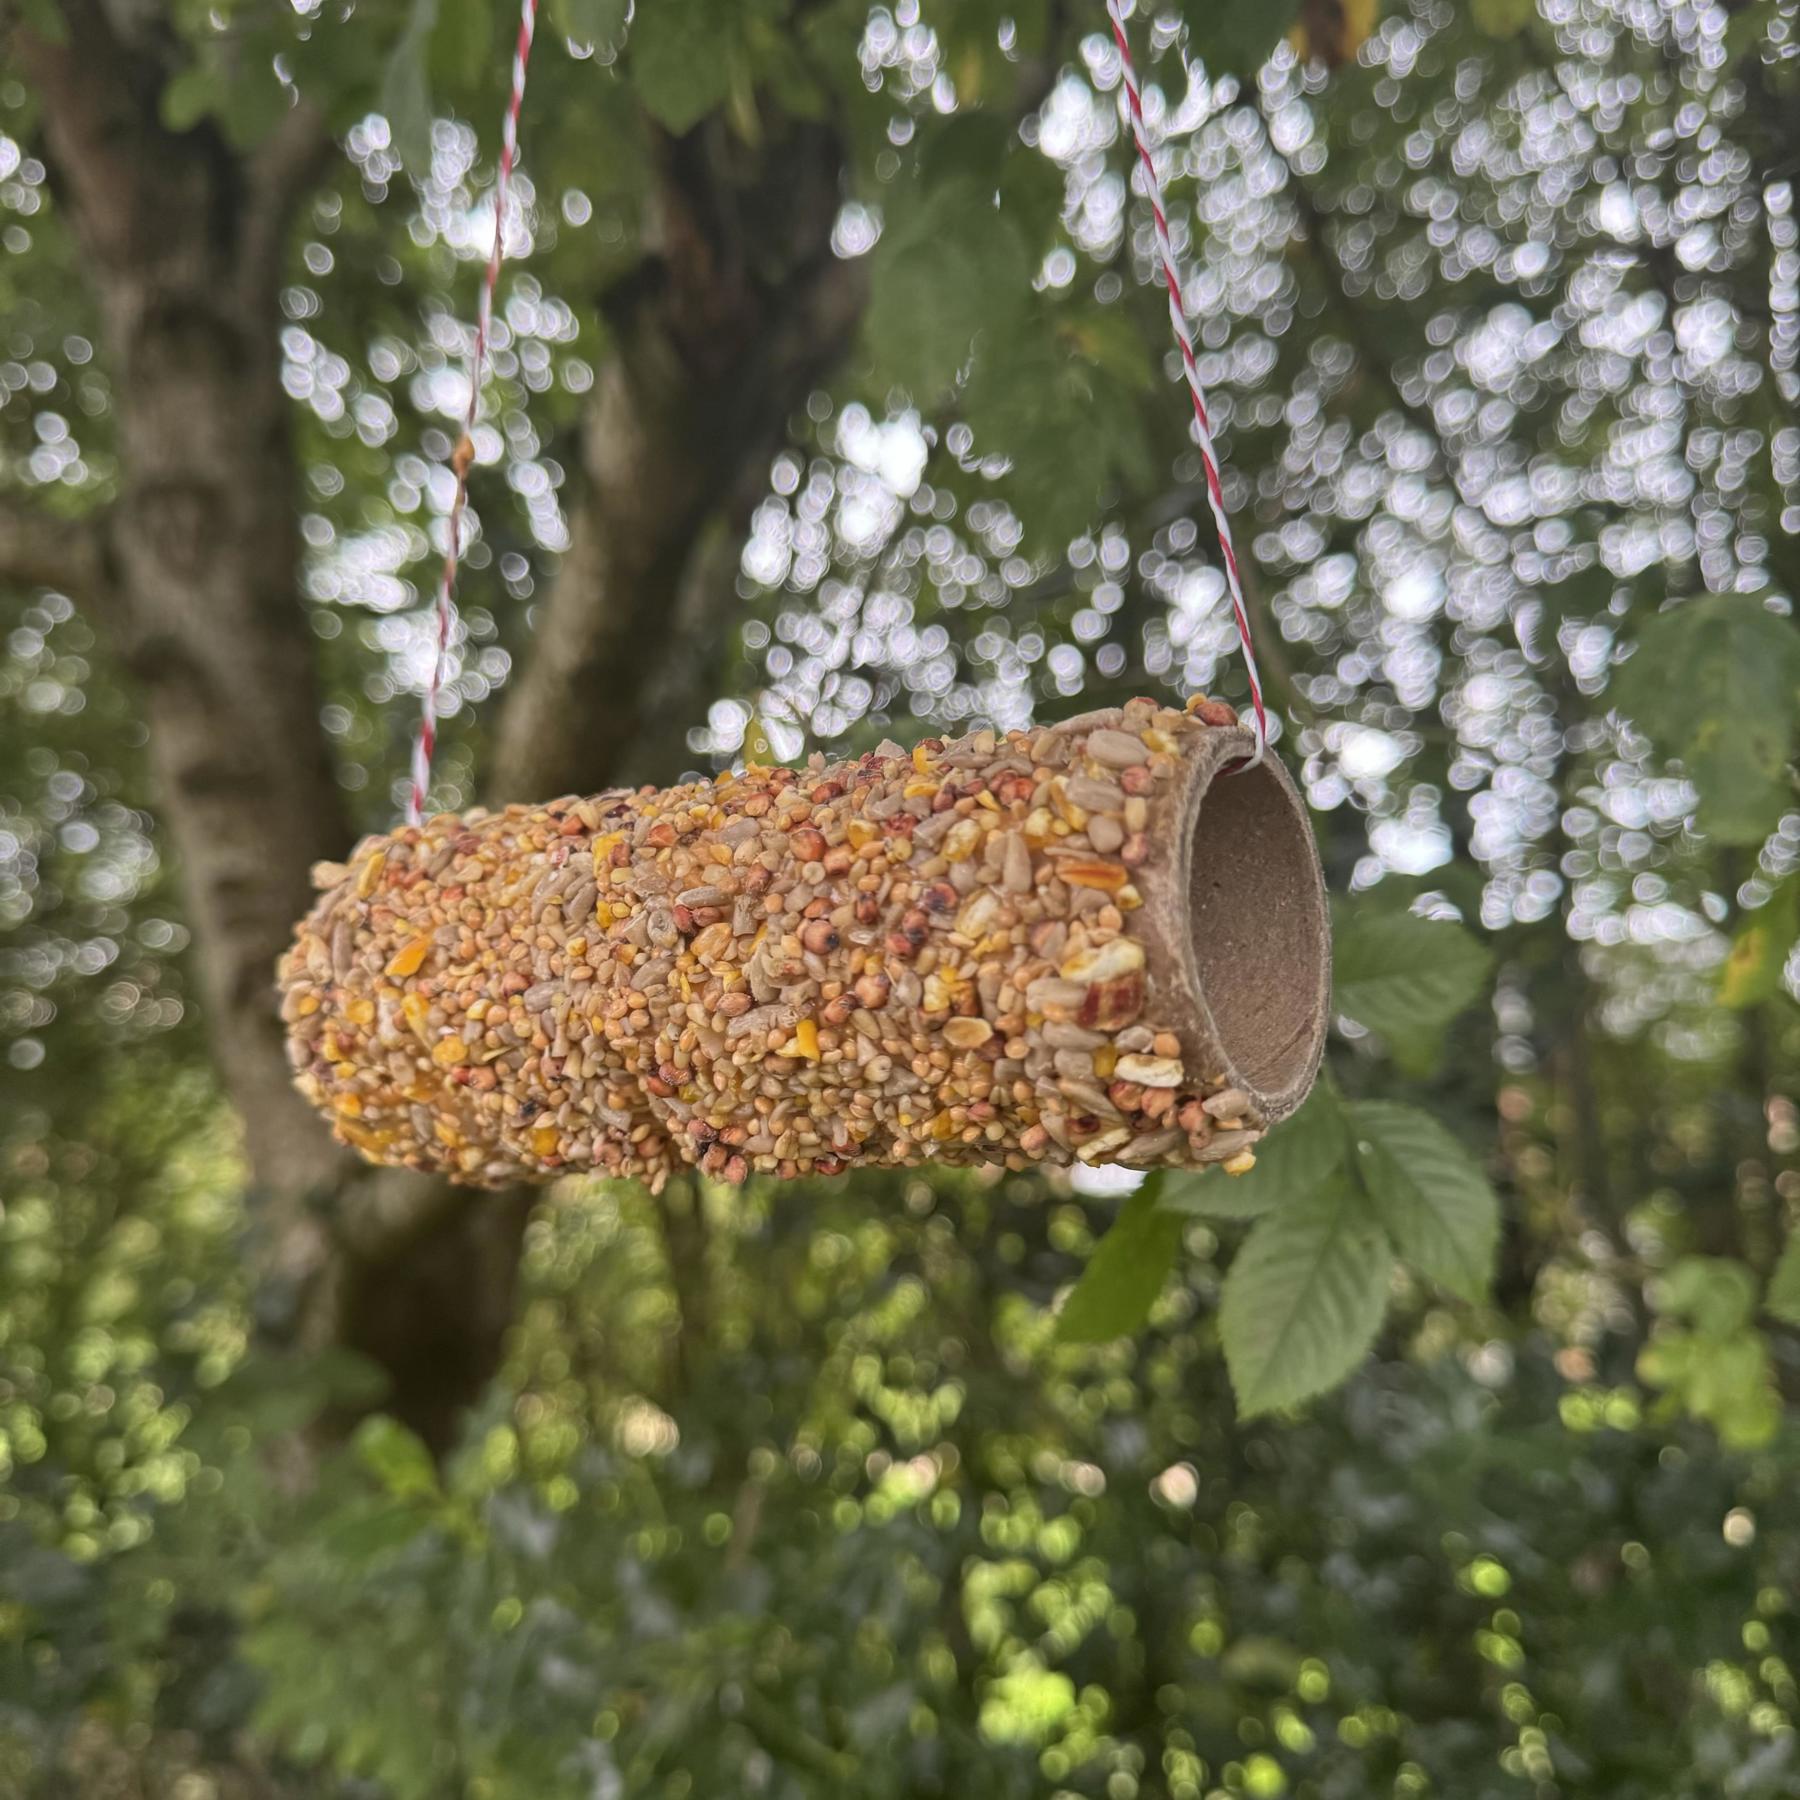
<point x="1258" y="928"/>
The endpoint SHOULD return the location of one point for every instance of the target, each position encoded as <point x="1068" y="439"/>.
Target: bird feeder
<point x="1103" y="941"/>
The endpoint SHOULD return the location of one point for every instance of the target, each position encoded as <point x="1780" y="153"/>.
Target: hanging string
<point x="1184" y="338"/>
<point x="425" y="744"/>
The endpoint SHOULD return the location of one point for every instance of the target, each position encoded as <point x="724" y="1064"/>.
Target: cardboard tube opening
<point x="1258" y="928"/>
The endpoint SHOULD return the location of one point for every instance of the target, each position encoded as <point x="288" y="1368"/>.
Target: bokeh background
<point x="831" y="401"/>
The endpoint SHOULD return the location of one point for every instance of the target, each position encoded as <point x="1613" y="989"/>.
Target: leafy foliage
<point x="682" y="60"/>
<point x="1783" y="1297"/>
<point x="1304" y="1299"/>
<point x="406" y="88"/>
<point x="1078" y="379"/>
<point x="1431" y="1198"/>
<point x="1754" y="969"/>
<point x="1403" y="976"/>
<point x="818" y="1491"/>
<point x="951" y="269"/>
<point x="1716" y="683"/>
<point x="1124" y="1276"/>
<point x="1712" y="1362"/>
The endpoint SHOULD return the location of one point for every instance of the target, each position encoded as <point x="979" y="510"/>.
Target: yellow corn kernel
<point x="1075" y="817"/>
<point x="369" y="874"/>
<point x="1109" y="877"/>
<point x="409" y="956"/>
<point x="961" y="841"/>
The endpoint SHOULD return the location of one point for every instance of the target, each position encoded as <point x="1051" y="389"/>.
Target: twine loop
<point x="462" y="459"/>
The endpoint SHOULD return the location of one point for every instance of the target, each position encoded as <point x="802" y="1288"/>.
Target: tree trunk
<point x="205" y="550"/>
<point x="197" y="579"/>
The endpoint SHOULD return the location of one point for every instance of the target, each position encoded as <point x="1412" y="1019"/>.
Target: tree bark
<point x="202" y="544"/>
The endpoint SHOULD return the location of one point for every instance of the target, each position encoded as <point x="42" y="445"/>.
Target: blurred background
<point x="830" y="401"/>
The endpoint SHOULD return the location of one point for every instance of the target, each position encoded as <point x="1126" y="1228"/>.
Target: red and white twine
<point x="464" y="456"/>
<point x="1184" y="338"/>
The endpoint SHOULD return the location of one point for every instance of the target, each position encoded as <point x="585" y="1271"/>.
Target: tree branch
<point x="714" y="354"/>
<point x="284" y="169"/>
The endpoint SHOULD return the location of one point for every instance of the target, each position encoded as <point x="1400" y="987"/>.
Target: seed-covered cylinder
<point x="1102" y="941"/>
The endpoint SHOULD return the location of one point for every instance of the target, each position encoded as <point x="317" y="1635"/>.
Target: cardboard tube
<point x="1101" y="941"/>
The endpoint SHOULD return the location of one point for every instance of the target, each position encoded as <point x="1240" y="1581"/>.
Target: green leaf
<point x="469" y="58"/>
<point x="1783" y="1298"/>
<point x="364" y="1532"/>
<point x="1760" y="951"/>
<point x="1717" y="1293"/>
<point x="406" y="90"/>
<point x="396" y="1457"/>
<point x="1586" y="592"/>
<point x="1294" y="1163"/>
<point x="759" y="747"/>
<point x="1303" y="1299"/>
<point x="1070" y="377"/>
<point x="1724" y="1378"/>
<point x="1715" y="684"/>
<point x="1429" y="1194"/>
<point x="189" y="95"/>
<point x="253" y="102"/>
<point x="1125" y="1273"/>
<point x="1405" y="977"/>
<point x="969" y="36"/>
<point x="950" y="267"/>
<point x="1236" y="36"/>
<point x="681" y="60"/>
<point x="597" y="22"/>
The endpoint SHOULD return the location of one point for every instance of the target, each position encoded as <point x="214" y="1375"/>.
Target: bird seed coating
<point x="901" y="959"/>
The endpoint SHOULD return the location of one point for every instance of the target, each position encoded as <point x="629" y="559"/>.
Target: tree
<point x="179" y="193"/>
<point x="827" y="401"/>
